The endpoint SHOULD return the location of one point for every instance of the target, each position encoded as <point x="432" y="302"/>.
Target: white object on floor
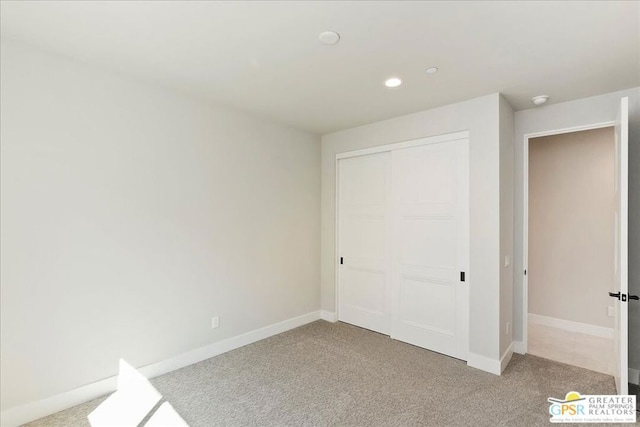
<point x="574" y="348"/>
<point x="166" y="416"/>
<point x="132" y="402"/>
<point x="128" y="406"/>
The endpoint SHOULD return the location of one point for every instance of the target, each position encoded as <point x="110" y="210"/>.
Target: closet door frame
<point x="455" y="136"/>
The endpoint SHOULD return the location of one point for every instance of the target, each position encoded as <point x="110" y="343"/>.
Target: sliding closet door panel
<point x="430" y="246"/>
<point x="363" y="224"/>
<point x="429" y="240"/>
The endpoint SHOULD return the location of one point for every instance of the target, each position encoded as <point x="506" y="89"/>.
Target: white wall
<point x="571" y="223"/>
<point x="131" y="215"/>
<point x="480" y="117"/>
<point x="583" y="112"/>
<point x="506" y="226"/>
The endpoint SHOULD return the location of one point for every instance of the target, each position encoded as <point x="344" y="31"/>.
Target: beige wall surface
<point x="571" y="223"/>
<point x="131" y="215"/>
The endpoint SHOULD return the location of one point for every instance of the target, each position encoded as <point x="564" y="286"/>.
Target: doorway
<point x="571" y="221"/>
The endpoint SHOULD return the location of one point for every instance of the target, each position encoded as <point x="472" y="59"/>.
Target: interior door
<point x="363" y="223"/>
<point x="430" y="234"/>
<point x="621" y="283"/>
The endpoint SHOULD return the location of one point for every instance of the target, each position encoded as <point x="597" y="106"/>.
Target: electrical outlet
<point x="611" y="312"/>
<point x="508" y="328"/>
<point x="507" y="261"/>
<point x="215" y="322"/>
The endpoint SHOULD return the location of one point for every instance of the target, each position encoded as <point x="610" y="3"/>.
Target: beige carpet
<point x="325" y="374"/>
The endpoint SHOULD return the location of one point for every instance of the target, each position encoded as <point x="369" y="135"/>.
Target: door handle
<point x="623" y="297"/>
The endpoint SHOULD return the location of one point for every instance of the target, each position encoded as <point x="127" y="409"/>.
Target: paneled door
<point x="430" y="246"/>
<point x="363" y="227"/>
<point x="621" y="255"/>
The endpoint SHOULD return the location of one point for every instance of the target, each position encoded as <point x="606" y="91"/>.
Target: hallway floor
<point x="573" y="348"/>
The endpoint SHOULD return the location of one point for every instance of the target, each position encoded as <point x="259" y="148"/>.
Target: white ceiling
<point x="265" y="58"/>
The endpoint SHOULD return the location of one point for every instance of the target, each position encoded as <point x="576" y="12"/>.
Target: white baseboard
<point x="568" y="325"/>
<point x="634" y="376"/>
<point x="484" y="363"/>
<point x="490" y="365"/>
<point x="34" y="410"/>
<point x="329" y="316"/>
<point x="519" y="347"/>
<point x="22" y="414"/>
<point x="506" y="358"/>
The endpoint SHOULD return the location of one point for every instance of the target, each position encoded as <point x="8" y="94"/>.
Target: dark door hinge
<point x="462" y="276"/>
<point x="341" y="260"/>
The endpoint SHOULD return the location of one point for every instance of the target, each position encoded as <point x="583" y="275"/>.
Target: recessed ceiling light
<point x="329" y="37"/>
<point x="393" y="82"/>
<point x="432" y="70"/>
<point x="540" y="99"/>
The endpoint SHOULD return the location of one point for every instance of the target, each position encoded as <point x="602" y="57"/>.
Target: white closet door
<point x="430" y="247"/>
<point x="364" y="196"/>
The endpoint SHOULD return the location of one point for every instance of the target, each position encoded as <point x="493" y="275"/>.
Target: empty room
<point x="319" y="213"/>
